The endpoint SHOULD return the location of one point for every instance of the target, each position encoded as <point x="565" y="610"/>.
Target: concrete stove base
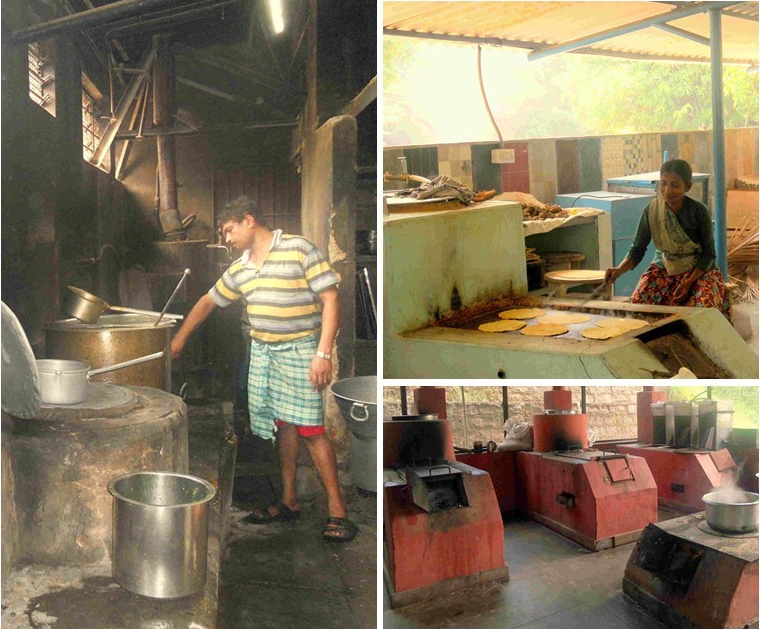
<point x="86" y="597"/>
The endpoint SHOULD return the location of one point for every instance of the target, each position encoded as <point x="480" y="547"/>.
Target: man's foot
<point x="339" y="530"/>
<point x="277" y="512"/>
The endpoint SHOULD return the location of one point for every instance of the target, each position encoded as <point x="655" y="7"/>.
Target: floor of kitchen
<point x="553" y="582"/>
<point x="284" y="574"/>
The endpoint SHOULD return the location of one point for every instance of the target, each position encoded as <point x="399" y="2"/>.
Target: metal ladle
<point x="171" y="297"/>
<point x="88" y="307"/>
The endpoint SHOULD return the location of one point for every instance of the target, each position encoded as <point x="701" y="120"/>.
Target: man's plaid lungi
<point x="279" y="387"/>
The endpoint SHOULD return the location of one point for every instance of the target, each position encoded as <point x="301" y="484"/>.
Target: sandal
<point x="339" y="530"/>
<point x="283" y="513"/>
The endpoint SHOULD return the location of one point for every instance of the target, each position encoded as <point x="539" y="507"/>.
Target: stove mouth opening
<point x="672" y="561"/>
<point x="434" y="490"/>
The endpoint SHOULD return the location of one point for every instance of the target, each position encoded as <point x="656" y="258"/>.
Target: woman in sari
<point x="683" y="271"/>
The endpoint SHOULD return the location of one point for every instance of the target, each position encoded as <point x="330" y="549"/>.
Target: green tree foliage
<point x="564" y="95"/>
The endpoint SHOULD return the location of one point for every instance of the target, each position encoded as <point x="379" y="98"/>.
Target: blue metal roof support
<point x="669" y="28"/>
<point x="719" y="147"/>
<point x="698" y="7"/>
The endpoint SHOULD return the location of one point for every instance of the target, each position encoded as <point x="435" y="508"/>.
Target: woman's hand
<point x="610" y="275"/>
<point x="683" y="290"/>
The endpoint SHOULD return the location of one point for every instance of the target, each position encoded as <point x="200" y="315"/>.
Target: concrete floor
<point x="553" y="583"/>
<point x="284" y="574"/>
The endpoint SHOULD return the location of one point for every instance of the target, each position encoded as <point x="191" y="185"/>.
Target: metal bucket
<point x="731" y="517"/>
<point x="357" y="400"/>
<point x="160" y="533"/>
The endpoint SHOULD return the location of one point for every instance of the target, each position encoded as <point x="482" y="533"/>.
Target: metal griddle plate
<point x="574" y="329"/>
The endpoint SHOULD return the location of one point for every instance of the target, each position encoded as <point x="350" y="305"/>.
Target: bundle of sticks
<point x="533" y="209"/>
<point x="743" y="257"/>
<point x="531" y="255"/>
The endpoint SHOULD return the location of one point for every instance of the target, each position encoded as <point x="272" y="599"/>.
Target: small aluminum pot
<point x="64" y="382"/>
<point x="731" y="517"/>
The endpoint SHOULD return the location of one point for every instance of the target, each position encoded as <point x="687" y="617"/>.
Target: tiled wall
<point x="549" y="167"/>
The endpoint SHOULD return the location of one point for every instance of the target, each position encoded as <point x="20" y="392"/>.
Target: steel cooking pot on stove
<point x="64" y="382"/>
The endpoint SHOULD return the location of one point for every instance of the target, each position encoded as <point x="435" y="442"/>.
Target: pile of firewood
<point x="532" y="208"/>
<point x="743" y="258"/>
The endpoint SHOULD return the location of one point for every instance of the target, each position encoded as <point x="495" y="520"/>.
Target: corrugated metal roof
<point x="536" y="25"/>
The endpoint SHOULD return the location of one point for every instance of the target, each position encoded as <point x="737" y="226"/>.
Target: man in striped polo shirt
<point x="291" y="299"/>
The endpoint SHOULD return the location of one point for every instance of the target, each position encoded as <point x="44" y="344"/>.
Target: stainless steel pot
<point x="357" y="400"/>
<point x="64" y="382"/>
<point x="731" y="517"/>
<point x="160" y="533"/>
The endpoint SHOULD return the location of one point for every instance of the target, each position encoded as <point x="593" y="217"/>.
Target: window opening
<point x="41" y="78"/>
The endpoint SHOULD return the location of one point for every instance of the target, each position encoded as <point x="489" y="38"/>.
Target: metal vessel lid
<point x="125" y="321"/>
<point x="21" y="380"/>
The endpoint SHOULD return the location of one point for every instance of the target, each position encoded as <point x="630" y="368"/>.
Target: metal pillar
<point x="719" y="147"/>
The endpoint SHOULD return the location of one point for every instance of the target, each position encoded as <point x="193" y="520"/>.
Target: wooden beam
<point x="84" y="19"/>
<point x="121" y="111"/>
<point x="221" y="128"/>
<point x="359" y="103"/>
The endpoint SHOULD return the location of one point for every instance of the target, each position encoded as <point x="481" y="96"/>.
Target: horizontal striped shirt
<point x="282" y="297"/>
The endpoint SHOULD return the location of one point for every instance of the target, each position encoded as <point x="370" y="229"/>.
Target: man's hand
<point x="178" y="344"/>
<point x="320" y="372"/>
<point x="683" y="290"/>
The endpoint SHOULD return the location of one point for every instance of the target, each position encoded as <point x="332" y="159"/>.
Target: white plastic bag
<point x="519" y="437"/>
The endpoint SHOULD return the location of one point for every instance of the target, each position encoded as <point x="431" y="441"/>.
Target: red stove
<point x="442" y="526"/>
<point x="687" y="574"/>
<point x="595" y="498"/>
<point x="683" y="444"/>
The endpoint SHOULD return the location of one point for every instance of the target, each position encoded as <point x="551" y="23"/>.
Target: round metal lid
<point x="127" y="321"/>
<point x="21" y="380"/>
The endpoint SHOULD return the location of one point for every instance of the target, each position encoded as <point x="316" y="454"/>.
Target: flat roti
<point x="522" y="313"/>
<point x="602" y="334"/>
<point x="545" y="329"/>
<point x="505" y="325"/>
<point x="628" y="324"/>
<point x="577" y="275"/>
<point x="565" y="317"/>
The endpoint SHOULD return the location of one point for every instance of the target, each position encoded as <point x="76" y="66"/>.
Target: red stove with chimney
<point x="598" y="499"/>
<point x="442" y="526"/>
<point x="684" y="446"/>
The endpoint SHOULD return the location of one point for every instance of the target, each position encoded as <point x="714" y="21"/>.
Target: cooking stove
<point x="442" y="525"/>
<point x="61" y="458"/>
<point x="688" y="575"/>
<point x="683" y="445"/>
<point x="447" y="272"/>
<point x="597" y="499"/>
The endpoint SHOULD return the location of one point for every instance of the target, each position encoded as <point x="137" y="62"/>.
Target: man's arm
<point x="320" y="372"/>
<point x="200" y="312"/>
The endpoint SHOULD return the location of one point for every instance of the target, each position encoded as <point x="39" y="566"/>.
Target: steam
<point x="730" y="492"/>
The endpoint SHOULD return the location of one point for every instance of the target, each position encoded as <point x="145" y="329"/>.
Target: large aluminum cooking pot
<point x="64" y="382"/>
<point x="357" y="400"/>
<point x="731" y="517"/>
<point x="114" y="339"/>
<point x="160" y="533"/>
